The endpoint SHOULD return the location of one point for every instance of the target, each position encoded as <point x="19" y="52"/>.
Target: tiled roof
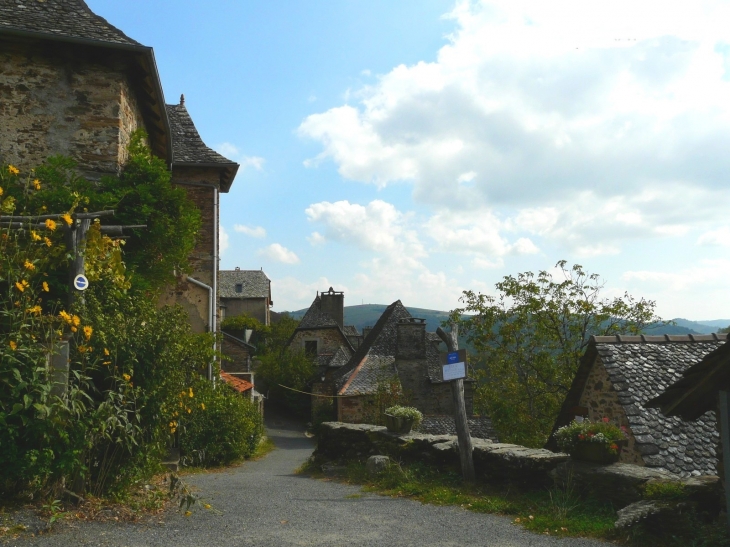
<point x="190" y="150"/>
<point x="480" y="427"/>
<point x="696" y="392"/>
<point x="340" y="358"/>
<point x="373" y="370"/>
<point x="254" y="283"/>
<point x="640" y="368"/>
<point x="64" y="19"/>
<point x="315" y="318"/>
<point x="350" y="330"/>
<point x="238" y="384"/>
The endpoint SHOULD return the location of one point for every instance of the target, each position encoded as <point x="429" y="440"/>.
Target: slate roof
<point x="67" y="19"/>
<point x="255" y="284"/>
<point x="188" y="149"/>
<point x="350" y="330"/>
<point x="695" y="393"/>
<point x="640" y="368"/>
<point x="480" y="427"/>
<point x="315" y="318"/>
<point x="334" y="360"/>
<point x="372" y="370"/>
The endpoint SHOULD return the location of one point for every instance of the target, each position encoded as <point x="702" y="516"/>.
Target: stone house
<point x="73" y="84"/>
<point x="246" y="292"/>
<point x="619" y="375"/>
<point x="398" y="354"/>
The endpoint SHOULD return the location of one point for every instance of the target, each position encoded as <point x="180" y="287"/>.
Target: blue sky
<point x="413" y="149"/>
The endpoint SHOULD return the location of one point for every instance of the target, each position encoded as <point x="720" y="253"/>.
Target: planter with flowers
<point x="598" y="442"/>
<point x="400" y="419"/>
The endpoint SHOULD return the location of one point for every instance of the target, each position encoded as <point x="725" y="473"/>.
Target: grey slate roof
<point x="315" y="318"/>
<point x="374" y="370"/>
<point x="255" y="284"/>
<point x="334" y="360"/>
<point x="350" y="330"/>
<point x="64" y="19"/>
<point x="640" y="368"/>
<point x="189" y="149"/>
<point x="480" y="427"/>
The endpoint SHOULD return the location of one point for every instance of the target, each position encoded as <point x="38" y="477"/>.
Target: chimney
<point x="365" y="332"/>
<point x="333" y="304"/>
<point x="411" y="339"/>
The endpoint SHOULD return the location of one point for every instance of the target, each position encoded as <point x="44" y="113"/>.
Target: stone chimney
<point x="411" y="339"/>
<point x="333" y="304"/>
<point x="365" y="332"/>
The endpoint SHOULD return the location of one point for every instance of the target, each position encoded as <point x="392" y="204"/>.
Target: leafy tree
<point x="529" y="340"/>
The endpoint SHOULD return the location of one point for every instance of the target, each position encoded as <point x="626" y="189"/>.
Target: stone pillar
<point x="411" y="339"/>
<point x="333" y="304"/>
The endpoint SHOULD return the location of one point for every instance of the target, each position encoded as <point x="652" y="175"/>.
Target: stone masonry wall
<point x="328" y="340"/>
<point x="235" y="357"/>
<point x="258" y="308"/>
<point x="65" y="99"/>
<point x="601" y="400"/>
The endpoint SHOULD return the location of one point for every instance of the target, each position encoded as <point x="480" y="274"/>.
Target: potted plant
<point x="401" y="419"/>
<point x="598" y="442"/>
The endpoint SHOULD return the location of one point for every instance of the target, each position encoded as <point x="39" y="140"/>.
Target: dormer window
<point x="239" y="287"/>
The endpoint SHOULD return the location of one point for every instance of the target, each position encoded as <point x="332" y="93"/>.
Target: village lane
<point x="265" y="503"/>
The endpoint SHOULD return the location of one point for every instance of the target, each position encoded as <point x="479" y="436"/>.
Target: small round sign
<point x="81" y="283"/>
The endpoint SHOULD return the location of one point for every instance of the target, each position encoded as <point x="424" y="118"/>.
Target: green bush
<point x="569" y="436"/>
<point x="407" y="412"/>
<point x="220" y="427"/>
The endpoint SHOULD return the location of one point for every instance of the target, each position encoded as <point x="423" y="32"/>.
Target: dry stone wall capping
<point x="499" y="463"/>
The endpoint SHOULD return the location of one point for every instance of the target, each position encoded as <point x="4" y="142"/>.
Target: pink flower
<point x="605" y="419"/>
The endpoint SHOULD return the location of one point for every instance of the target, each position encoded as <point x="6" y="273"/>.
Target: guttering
<point x="211" y="318"/>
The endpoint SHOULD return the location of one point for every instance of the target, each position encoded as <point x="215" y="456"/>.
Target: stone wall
<point x="66" y="99"/>
<point x="258" y="308"/>
<point x="328" y="340"/>
<point x="601" y="400"/>
<point x="353" y="409"/>
<point x="236" y="358"/>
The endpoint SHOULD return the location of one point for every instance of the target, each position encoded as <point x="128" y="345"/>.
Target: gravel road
<point x="264" y="503"/>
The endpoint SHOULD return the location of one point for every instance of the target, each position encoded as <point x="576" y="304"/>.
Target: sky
<point x="414" y="149"/>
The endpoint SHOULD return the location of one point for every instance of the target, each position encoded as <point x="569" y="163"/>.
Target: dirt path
<point x="264" y="503"/>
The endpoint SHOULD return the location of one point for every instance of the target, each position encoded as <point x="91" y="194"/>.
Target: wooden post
<point x="457" y="391"/>
<point x="724" y="397"/>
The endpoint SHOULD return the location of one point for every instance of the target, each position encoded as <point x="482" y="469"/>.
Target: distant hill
<point x="366" y="316"/>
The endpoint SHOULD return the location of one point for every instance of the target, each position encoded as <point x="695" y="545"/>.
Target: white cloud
<point x="253" y="231"/>
<point x="291" y="293"/>
<point x="232" y="152"/>
<point x="573" y="120"/>
<point x="223" y="241"/>
<point x="279" y="253"/>
<point x="316" y="239"/>
<point x="719" y="237"/>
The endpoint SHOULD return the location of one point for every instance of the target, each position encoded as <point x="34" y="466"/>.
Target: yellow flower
<point x="74" y="329"/>
<point x="88" y="332"/>
<point x="45" y="287"/>
<point x="1" y="191"/>
<point x="35" y="310"/>
<point x="173" y="430"/>
<point x="37" y="184"/>
<point x="206" y="505"/>
<point x="126" y="377"/>
<point x="34" y="235"/>
<point x="13" y="170"/>
<point x="19" y="286"/>
<point x="51" y="225"/>
<point x="202" y="405"/>
<point x="190" y="393"/>
<point x="65" y="316"/>
<point x="28" y="265"/>
<point x="13" y="345"/>
<point x="76" y="320"/>
<point x="48" y="242"/>
<point x="189" y="411"/>
<point x="107" y="363"/>
<point x="106" y="352"/>
<point x="67" y="219"/>
<point x="82" y="349"/>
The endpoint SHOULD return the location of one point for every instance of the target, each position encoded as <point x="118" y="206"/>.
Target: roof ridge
<point x="658" y="339"/>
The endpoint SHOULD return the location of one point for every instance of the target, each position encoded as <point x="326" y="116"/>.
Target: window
<point x="310" y="348"/>
<point x="239" y="287"/>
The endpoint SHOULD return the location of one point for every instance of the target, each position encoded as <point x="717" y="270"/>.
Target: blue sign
<point x="453" y="357"/>
<point x="81" y="283"/>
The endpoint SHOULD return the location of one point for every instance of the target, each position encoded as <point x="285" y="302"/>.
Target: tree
<point x="530" y="338"/>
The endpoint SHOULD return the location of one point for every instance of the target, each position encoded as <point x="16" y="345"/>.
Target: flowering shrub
<point x="407" y="412"/>
<point x="569" y="436"/>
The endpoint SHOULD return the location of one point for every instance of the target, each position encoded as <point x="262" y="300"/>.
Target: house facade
<point x="617" y="378"/>
<point x="246" y="292"/>
<point x="73" y="84"/>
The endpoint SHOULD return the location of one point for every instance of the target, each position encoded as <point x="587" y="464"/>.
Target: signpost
<point x="81" y="283"/>
<point x="454" y="371"/>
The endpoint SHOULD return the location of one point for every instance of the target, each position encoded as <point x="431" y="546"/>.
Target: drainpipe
<point x="211" y="316"/>
<point x="216" y="258"/>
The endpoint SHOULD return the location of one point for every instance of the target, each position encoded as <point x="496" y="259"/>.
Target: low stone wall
<point x="498" y="463"/>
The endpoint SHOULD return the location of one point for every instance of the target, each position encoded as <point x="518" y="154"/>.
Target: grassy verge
<point x="554" y="511"/>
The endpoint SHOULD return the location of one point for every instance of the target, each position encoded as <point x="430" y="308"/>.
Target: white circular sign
<point x="81" y="283"/>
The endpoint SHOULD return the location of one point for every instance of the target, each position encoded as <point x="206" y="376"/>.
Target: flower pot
<point x="596" y="452"/>
<point x="396" y="424"/>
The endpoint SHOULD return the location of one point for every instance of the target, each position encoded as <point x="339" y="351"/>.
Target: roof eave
<point x="228" y="171"/>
